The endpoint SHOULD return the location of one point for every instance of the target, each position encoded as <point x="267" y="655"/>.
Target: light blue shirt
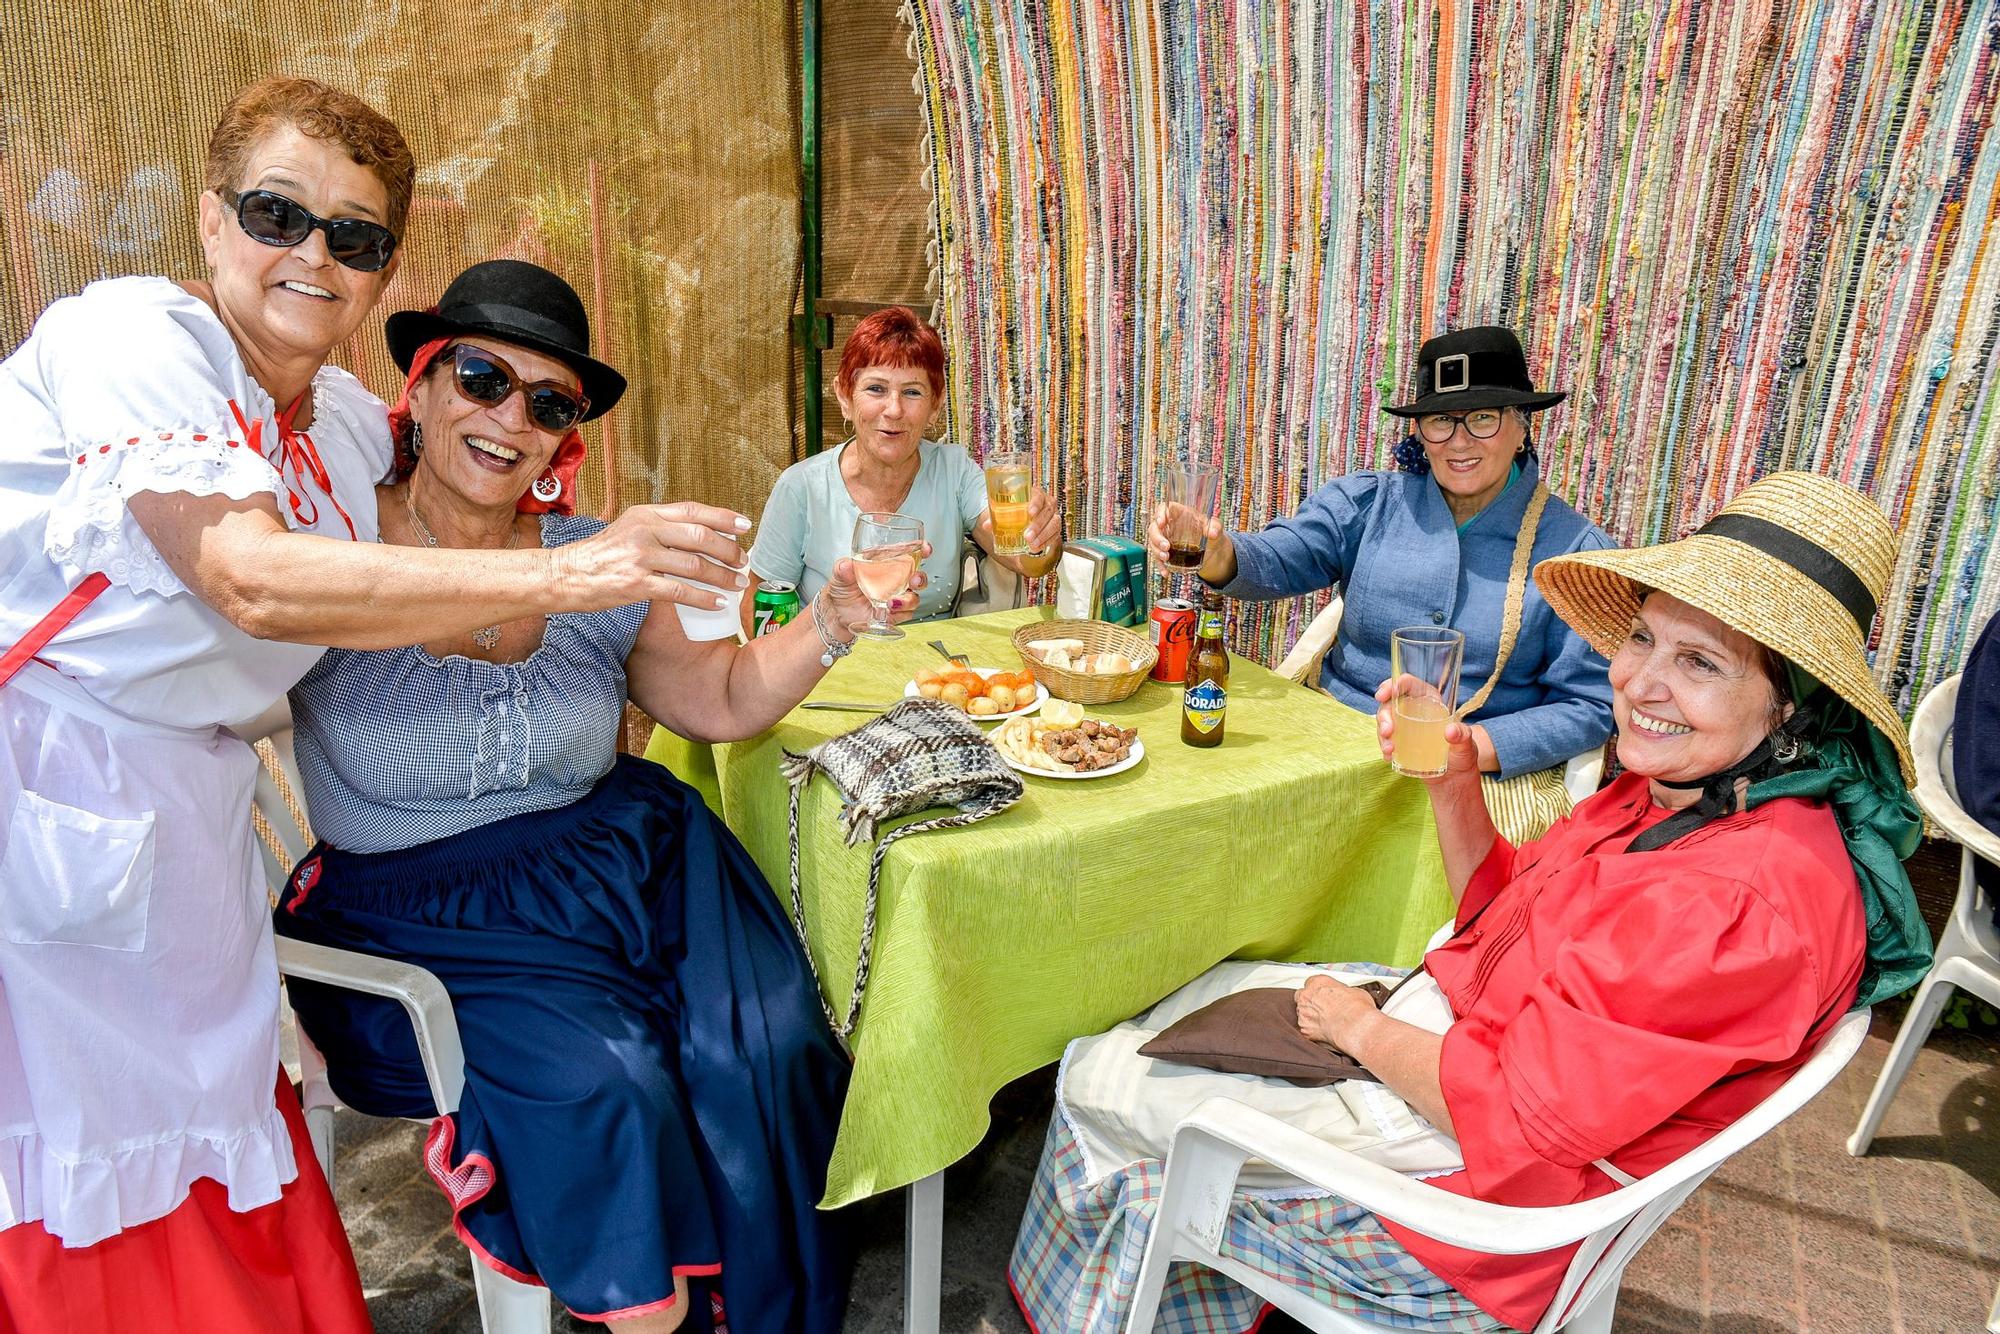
<point x="1388" y="542"/>
<point x="808" y="523"/>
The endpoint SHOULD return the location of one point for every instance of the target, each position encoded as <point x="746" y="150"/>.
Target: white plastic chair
<point x="505" y="1305"/>
<point x="1211" y="1145"/>
<point x="1582" y="774"/>
<point x="1968" y="954"/>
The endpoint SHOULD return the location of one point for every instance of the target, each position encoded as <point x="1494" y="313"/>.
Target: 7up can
<point x="776" y="603"/>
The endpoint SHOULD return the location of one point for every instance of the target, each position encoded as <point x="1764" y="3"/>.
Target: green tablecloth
<point x="1084" y="902"/>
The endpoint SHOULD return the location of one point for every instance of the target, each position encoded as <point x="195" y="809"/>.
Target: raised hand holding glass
<point x="1423" y="663"/>
<point x="886" y="550"/>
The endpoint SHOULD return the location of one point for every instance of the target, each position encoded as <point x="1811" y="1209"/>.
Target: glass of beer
<point x="1190" y="494"/>
<point x="886" y="550"/>
<point x="1422" y="705"/>
<point x="1010" y="475"/>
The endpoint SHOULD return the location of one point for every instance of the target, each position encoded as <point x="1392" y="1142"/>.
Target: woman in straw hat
<point x="1616" y="991"/>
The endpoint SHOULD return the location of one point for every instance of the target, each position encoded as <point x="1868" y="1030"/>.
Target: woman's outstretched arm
<point x="272" y="583"/>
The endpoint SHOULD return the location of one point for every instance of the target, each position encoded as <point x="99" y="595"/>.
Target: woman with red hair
<point x="890" y="386"/>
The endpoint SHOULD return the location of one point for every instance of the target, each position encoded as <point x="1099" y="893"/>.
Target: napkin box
<point x="1103" y="579"/>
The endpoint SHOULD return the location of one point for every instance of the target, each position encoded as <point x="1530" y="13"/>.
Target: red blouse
<point x="1626" y="1006"/>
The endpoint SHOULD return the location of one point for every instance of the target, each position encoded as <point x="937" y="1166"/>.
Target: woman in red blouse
<point x="1618" y="990"/>
<point x="1661" y="961"/>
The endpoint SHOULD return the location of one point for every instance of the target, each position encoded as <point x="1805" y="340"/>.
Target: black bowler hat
<point x="518" y="302"/>
<point x="1481" y="367"/>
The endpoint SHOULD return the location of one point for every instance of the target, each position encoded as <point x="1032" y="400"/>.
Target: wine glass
<point x="886" y="547"/>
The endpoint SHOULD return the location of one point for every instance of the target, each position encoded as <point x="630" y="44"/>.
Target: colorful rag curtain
<point x="1745" y="234"/>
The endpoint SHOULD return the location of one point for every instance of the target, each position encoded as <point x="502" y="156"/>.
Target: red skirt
<point x="203" y="1269"/>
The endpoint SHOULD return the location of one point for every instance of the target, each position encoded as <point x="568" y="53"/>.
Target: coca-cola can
<point x="1173" y="636"/>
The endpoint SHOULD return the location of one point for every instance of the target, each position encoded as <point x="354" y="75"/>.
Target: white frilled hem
<point x="89" y="527"/>
<point x="138" y="981"/>
<point x="85" y="1201"/>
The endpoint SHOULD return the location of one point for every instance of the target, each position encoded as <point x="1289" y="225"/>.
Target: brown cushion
<point x="1256" y="1032"/>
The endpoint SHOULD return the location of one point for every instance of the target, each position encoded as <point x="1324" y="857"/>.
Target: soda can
<point x="1173" y="635"/>
<point x="776" y="603"/>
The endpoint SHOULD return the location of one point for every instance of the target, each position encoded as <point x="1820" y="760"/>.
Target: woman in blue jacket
<point x="1435" y="543"/>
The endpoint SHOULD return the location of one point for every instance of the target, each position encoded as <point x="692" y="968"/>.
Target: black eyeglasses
<point x="1480" y="424"/>
<point x="272" y="219"/>
<point x="486" y="379"/>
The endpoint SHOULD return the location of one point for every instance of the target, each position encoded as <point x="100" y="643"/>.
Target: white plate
<point x="984" y="673"/>
<point x="1138" y="753"/>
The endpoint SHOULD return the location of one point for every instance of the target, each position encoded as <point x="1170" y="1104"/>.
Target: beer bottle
<point x="1207" y="692"/>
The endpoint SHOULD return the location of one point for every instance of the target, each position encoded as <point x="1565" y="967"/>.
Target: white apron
<point x="138" y="981"/>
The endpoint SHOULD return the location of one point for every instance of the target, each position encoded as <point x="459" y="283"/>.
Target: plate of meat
<point x="1090" y="748"/>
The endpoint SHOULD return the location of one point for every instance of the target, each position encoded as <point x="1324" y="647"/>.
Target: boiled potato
<point x="1002" y="697"/>
<point x="929" y="689"/>
<point x="925" y="676"/>
<point x="955" y="695"/>
<point x="984" y="707"/>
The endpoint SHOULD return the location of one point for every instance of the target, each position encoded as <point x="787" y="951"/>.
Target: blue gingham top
<point x="397" y="747"/>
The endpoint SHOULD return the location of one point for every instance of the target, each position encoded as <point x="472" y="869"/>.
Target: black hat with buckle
<point x="1480" y="367"/>
<point x="516" y="302"/>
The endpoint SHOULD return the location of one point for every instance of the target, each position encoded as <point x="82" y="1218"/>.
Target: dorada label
<point x="1204" y="702"/>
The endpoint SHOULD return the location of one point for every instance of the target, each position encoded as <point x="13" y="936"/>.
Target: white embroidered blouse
<point x="138" y="983"/>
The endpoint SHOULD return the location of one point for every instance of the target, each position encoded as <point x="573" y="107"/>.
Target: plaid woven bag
<point x="921" y="753"/>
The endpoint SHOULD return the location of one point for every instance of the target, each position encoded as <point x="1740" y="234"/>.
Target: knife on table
<point x="843" y="706"/>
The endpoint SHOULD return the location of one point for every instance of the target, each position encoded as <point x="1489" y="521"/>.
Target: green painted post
<point x="812" y="331"/>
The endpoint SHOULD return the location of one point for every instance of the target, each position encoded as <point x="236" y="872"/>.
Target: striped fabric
<point x="1524" y="806"/>
<point x="397" y="748"/>
<point x="1077" y="1258"/>
<point x="1745" y="235"/>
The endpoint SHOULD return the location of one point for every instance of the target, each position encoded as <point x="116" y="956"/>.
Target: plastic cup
<point x="701" y="624"/>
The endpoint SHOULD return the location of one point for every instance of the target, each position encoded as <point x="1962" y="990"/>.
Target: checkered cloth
<point x="1076" y="1260"/>
<point x="921" y="753"/>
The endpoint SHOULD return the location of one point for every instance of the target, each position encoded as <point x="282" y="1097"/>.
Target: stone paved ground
<point x="1791" y="1235"/>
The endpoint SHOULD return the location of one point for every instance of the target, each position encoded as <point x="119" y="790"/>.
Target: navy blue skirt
<point x="650" y="1085"/>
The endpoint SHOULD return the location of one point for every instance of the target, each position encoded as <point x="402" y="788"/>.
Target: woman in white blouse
<point x="183" y="482"/>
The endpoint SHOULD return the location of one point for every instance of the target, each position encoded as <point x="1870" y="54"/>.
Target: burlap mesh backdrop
<point x="648" y="153"/>
<point x="875" y="202"/>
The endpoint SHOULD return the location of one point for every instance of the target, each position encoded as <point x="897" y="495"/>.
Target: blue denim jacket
<point x="1388" y="542"/>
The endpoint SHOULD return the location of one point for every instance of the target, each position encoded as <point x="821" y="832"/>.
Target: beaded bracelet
<point x="834" y="648"/>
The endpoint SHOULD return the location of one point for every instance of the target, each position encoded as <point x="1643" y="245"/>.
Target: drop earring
<point x="548" y="488"/>
<point x="416" y="439"/>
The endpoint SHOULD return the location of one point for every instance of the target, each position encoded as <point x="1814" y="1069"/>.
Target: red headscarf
<point x="562" y="469"/>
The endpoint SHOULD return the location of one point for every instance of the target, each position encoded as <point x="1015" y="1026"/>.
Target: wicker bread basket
<point x="1097" y="637"/>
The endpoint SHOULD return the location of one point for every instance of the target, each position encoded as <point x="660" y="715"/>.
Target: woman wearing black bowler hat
<point x="1446" y="539"/>
<point x="651" y="1090"/>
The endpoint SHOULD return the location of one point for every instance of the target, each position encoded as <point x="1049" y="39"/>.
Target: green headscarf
<point x="1852" y="767"/>
<point x="1826" y="751"/>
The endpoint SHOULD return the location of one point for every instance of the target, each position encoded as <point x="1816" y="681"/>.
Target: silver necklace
<point x="486" y="636"/>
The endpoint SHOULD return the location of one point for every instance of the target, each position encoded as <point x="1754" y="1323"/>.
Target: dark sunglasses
<point x="486" y="379"/>
<point x="272" y="219"/>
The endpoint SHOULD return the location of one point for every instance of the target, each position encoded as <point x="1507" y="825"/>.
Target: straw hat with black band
<point x="1797" y="562"/>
